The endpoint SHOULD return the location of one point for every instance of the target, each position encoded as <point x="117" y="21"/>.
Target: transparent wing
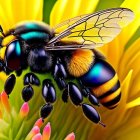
<point x="97" y="29"/>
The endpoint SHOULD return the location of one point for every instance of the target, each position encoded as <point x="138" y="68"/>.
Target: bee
<point x="68" y="51"/>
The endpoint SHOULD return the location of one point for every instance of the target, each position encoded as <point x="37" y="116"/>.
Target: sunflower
<point x="21" y="120"/>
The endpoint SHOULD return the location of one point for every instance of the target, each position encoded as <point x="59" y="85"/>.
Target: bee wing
<point x="97" y="29"/>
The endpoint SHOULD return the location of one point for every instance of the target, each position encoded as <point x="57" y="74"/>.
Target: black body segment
<point x="46" y="110"/>
<point x="91" y="113"/>
<point x="31" y="78"/>
<point x="93" y="100"/>
<point x="27" y="93"/>
<point x="9" y="84"/>
<point x="74" y="93"/>
<point x="48" y="92"/>
<point x="65" y="95"/>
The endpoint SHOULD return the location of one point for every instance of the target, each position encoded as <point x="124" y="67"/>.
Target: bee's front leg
<point x="49" y="95"/>
<point x="29" y="80"/>
<point x="9" y="84"/>
<point x="60" y="74"/>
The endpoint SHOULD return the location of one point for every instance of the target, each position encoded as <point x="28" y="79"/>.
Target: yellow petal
<point x="130" y="59"/>
<point x="13" y="11"/>
<point x="133" y="103"/>
<point x="66" y="9"/>
<point x="131" y="29"/>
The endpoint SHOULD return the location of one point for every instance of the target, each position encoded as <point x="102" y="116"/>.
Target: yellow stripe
<point x="100" y="90"/>
<point x="8" y="39"/>
<point x="2" y="53"/>
<point x="111" y="96"/>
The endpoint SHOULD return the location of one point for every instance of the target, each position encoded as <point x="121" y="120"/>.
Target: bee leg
<point x="65" y="95"/>
<point x="48" y="91"/>
<point x="86" y="92"/>
<point x="74" y="93"/>
<point x="9" y="84"/>
<point x="49" y="95"/>
<point x="46" y="110"/>
<point x="60" y="74"/>
<point x="27" y="93"/>
<point x="77" y="99"/>
<point x="31" y="78"/>
<point x="91" y="113"/>
<point x="19" y="72"/>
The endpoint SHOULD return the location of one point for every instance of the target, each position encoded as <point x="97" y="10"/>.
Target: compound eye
<point x="13" y="55"/>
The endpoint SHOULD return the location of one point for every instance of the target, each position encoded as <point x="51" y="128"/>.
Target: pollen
<point x="80" y="62"/>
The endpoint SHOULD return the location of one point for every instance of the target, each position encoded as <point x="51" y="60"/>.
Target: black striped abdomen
<point x="109" y="93"/>
<point x="104" y="83"/>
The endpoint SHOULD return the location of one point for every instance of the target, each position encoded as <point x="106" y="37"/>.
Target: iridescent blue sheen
<point x="15" y="47"/>
<point x="31" y="25"/>
<point x="34" y="35"/>
<point x="99" y="73"/>
<point x="18" y="48"/>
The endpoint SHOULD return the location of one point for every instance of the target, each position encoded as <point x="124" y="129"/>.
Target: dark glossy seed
<point x="62" y="71"/>
<point x="91" y="113"/>
<point x="84" y="92"/>
<point x="9" y="84"/>
<point x="65" y="96"/>
<point x="46" y="110"/>
<point x="55" y="74"/>
<point x="93" y="99"/>
<point x="27" y="93"/>
<point x="34" y="79"/>
<point x="61" y="83"/>
<point x="75" y="94"/>
<point x="59" y="71"/>
<point x="31" y="78"/>
<point x="49" y="93"/>
<point x="26" y="80"/>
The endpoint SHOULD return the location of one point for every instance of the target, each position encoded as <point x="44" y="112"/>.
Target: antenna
<point x="102" y="124"/>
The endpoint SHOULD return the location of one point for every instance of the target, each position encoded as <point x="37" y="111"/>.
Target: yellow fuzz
<point x="8" y="39"/>
<point x="80" y="62"/>
<point x="2" y="52"/>
<point x="100" y="90"/>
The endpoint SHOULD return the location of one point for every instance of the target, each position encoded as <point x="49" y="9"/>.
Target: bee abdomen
<point x="104" y="84"/>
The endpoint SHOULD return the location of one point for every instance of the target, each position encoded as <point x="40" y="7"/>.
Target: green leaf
<point x="47" y="7"/>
